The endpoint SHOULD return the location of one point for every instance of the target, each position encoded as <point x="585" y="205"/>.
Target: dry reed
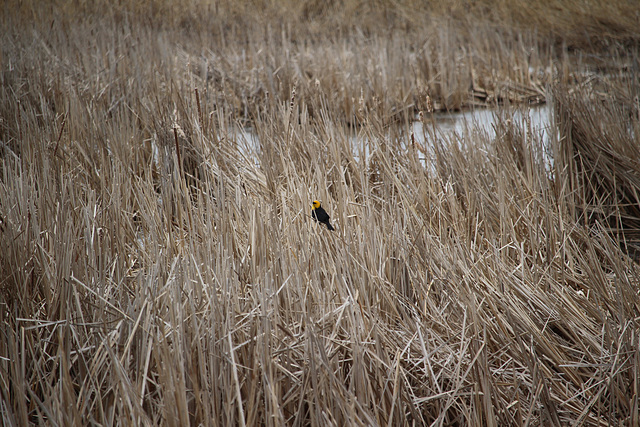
<point x="157" y="269"/>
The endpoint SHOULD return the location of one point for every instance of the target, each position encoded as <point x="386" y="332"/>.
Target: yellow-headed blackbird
<point x="320" y="215"/>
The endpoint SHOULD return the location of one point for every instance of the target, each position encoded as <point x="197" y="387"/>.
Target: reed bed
<point x="159" y="269"/>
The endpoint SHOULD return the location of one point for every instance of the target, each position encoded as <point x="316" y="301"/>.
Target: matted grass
<point x="155" y="269"/>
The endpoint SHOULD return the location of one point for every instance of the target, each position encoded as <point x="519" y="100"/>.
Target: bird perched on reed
<point x="319" y="214"/>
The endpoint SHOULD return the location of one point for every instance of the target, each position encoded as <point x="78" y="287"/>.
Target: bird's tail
<point x="330" y="227"/>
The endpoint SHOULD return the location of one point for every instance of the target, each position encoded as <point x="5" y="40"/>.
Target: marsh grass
<point x="156" y="270"/>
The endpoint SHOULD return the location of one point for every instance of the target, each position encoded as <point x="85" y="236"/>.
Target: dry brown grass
<point x="157" y="270"/>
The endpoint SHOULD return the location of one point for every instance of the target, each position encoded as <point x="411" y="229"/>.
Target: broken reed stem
<point x="175" y="134"/>
<point x="64" y="121"/>
<point x="200" y="116"/>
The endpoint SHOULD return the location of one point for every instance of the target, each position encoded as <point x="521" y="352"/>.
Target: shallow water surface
<point x="483" y="120"/>
<point x="458" y="125"/>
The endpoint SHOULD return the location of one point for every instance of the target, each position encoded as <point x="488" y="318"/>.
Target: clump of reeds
<point x="600" y="149"/>
<point x="157" y="268"/>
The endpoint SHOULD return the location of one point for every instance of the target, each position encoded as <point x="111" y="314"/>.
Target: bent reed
<point x="157" y="268"/>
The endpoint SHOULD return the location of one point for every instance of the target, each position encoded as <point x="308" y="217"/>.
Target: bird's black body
<point x="319" y="214"/>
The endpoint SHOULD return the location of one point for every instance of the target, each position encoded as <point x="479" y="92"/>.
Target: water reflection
<point x="469" y="122"/>
<point x="458" y="126"/>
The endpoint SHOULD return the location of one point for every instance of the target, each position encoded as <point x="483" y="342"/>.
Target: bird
<point x="319" y="214"/>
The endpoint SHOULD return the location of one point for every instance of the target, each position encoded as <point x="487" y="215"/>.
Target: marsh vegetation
<point x="157" y="269"/>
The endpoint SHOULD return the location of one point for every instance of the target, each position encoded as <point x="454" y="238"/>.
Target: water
<point x="448" y="126"/>
<point x="467" y="122"/>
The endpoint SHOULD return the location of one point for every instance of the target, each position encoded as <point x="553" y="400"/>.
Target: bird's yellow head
<point x="316" y="204"/>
